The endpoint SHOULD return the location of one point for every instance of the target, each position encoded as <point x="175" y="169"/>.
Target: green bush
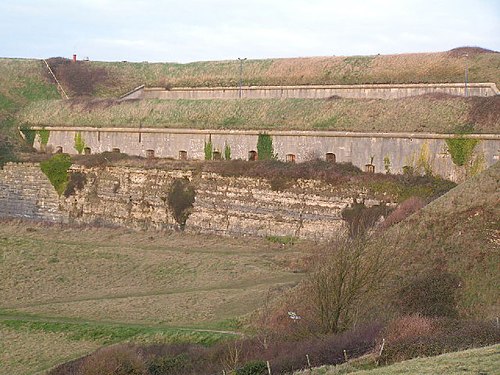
<point x="44" y="136"/>
<point x="56" y="169"/>
<point x="29" y="136"/>
<point x="79" y="143"/>
<point x="253" y="368"/>
<point x="461" y="149"/>
<point x="209" y="149"/>
<point x="265" y="149"/>
<point x="227" y="152"/>
<point x="180" y="200"/>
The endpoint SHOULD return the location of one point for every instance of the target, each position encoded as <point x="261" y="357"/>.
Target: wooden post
<point x="308" y="361"/>
<point x="268" y="368"/>
<point x="381" y="347"/>
<point x="345" y="355"/>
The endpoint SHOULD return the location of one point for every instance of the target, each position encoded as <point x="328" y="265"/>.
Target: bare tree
<point x="348" y="272"/>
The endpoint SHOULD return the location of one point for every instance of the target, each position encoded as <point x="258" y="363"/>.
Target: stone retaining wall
<point x="374" y="91"/>
<point x="25" y="192"/>
<point x="389" y="150"/>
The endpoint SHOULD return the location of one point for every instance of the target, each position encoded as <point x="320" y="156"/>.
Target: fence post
<point x="308" y="361"/>
<point x="381" y="347"/>
<point x="345" y="355"/>
<point x="268" y="367"/>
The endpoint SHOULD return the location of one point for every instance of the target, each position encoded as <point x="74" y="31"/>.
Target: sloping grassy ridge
<point x="428" y="113"/>
<point x="458" y="233"/>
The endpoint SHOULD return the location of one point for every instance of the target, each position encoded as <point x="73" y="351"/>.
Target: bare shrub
<point x="432" y="294"/>
<point x="402" y="211"/>
<point x="346" y="276"/>
<point x="114" y="360"/>
<point x="79" y="77"/>
<point x="408" y="326"/>
<point x="76" y="182"/>
<point x="447" y="336"/>
<point x="361" y="218"/>
<point x="180" y="200"/>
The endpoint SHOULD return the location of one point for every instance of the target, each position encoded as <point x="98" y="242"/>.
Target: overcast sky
<point x="194" y="30"/>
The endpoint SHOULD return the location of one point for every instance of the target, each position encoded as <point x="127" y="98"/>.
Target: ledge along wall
<point x="138" y="198"/>
<point x="389" y="150"/>
<point x="373" y="91"/>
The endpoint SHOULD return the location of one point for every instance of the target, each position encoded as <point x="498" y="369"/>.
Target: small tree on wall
<point x="79" y="143"/>
<point x="265" y="149"/>
<point x="209" y="148"/>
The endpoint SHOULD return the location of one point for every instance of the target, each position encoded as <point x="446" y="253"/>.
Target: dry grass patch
<point x="28" y="352"/>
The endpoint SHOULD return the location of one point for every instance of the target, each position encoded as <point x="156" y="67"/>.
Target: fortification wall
<point x="392" y="150"/>
<point x="372" y="91"/>
<point x="138" y="198"/>
<point x="25" y="192"/>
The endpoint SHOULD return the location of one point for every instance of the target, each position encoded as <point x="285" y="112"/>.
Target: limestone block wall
<point x="369" y="91"/>
<point x="399" y="149"/>
<point x="235" y="206"/>
<point x="25" y="192"/>
<point x="138" y="199"/>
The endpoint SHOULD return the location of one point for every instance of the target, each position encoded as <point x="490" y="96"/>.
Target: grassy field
<point x="79" y="288"/>
<point x="416" y="114"/>
<point x="468" y="362"/>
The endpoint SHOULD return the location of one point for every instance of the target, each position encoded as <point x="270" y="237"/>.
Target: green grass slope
<point x="21" y="82"/>
<point x="437" y="114"/>
<point x="458" y="233"/>
<point x="484" y="361"/>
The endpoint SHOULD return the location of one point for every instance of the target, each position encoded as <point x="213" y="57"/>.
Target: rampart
<point x="368" y="91"/>
<point x="138" y="198"/>
<point x="386" y="151"/>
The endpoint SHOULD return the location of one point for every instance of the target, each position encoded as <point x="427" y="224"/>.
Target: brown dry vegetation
<point x="416" y="114"/>
<point x="403" y="68"/>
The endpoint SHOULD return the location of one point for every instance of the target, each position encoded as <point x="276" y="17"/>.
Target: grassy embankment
<point x="456" y="233"/>
<point x="21" y="82"/>
<point x="67" y="291"/>
<point x="403" y="68"/>
<point x="468" y="362"/>
<point x="434" y="114"/>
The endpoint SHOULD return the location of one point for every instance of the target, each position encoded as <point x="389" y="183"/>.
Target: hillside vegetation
<point x="458" y="233"/>
<point x="428" y="113"/>
<point x="468" y="362"/>
<point x="403" y="68"/>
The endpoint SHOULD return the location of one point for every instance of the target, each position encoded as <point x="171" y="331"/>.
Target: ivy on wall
<point x="461" y="149"/>
<point x="56" y="170"/>
<point x="265" y="148"/>
<point x="79" y="143"/>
